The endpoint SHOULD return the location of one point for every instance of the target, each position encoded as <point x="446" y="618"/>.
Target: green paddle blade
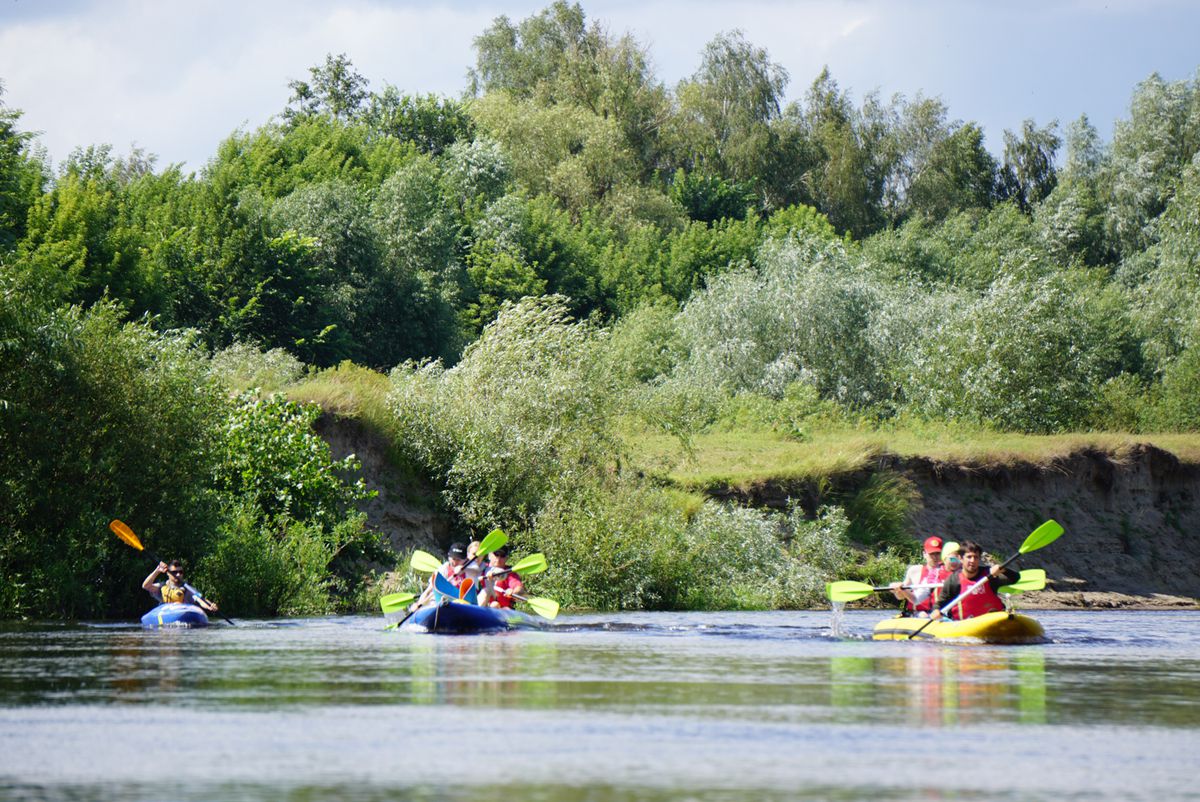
<point x="1031" y="579"/>
<point x="546" y="608"/>
<point x="533" y="564"/>
<point x="396" y="601"/>
<point x="1041" y="537"/>
<point x="424" y="562"/>
<point x="494" y="540"/>
<point x="848" y="590"/>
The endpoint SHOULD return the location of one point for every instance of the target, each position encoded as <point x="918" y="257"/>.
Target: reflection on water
<point x="946" y="686"/>
<point x="637" y="706"/>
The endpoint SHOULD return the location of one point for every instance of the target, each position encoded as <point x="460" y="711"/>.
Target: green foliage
<point x="100" y="420"/>
<point x="807" y="315"/>
<point x="269" y="567"/>
<point x="1028" y="175"/>
<point x="526" y="410"/>
<point x="21" y="177"/>
<point x="881" y="510"/>
<point x="242" y="367"/>
<point x="272" y="460"/>
<point x="709" y="198"/>
<point x="1027" y="356"/>
<point x="336" y="89"/>
<point x="617" y="548"/>
<point x="430" y="122"/>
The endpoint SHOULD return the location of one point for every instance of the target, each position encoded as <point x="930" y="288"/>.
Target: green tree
<point x="99" y="419"/>
<point x="22" y="177"/>
<point x="1028" y="175"/>
<point x="1147" y="154"/>
<point x="556" y="58"/>
<point x="334" y="88"/>
<point x="727" y="108"/>
<point x="847" y="185"/>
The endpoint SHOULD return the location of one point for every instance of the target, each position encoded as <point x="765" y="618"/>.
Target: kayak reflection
<point x="946" y="687"/>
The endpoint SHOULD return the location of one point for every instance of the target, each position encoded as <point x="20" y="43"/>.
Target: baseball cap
<point x="933" y="544"/>
<point x="457" y="550"/>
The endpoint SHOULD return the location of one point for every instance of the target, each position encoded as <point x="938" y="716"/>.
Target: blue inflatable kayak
<point x="465" y="619"/>
<point x="175" y="614"/>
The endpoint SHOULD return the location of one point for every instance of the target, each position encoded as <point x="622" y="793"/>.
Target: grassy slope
<point x="749" y="456"/>
<point x="744" y="458"/>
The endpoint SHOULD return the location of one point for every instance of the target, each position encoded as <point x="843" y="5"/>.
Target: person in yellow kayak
<point x="174" y="589"/>
<point x="914" y="588"/>
<point x="983" y="579"/>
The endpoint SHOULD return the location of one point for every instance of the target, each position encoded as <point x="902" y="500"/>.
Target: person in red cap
<point x="916" y="589"/>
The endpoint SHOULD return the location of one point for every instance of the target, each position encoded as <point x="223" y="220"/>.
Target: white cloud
<point x="179" y="77"/>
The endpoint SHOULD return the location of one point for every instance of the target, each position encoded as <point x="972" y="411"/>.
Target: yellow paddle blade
<point x="847" y="590"/>
<point x="1031" y="579"/>
<point x="533" y="564"/>
<point x="126" y="534"/>
<point x="546" y="608"/>
<point x="396" y="601"/>
<point x="492" y="541"/>
<point x="424" y="562"/>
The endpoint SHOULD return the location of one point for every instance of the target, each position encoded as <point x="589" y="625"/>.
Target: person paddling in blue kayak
<point x="452" y="569"/>
<point x="174" y="589"/>
<point x="501" y="582"/>
<point x="983" y="580"/>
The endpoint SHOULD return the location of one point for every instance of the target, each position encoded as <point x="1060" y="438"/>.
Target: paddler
<point x="174" y="589"/>
<point x="501" y="582"/>
<point x="453" y="569"/>
<point x="918" y="599"/>
<point x="984" y="579"/>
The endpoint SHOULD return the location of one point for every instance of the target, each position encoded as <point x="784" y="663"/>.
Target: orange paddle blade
<point x="126" y="534"/>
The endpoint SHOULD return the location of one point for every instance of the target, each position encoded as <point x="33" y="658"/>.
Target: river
<point x="649" y="706"/>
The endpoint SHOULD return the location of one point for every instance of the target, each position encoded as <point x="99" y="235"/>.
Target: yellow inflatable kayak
<point x="1002" y="627"/>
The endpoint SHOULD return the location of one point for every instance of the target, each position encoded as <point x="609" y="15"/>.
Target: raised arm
<point x="148" y="584"/>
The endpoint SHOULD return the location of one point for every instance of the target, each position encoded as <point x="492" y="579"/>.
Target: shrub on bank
<point x="632" y="547"/>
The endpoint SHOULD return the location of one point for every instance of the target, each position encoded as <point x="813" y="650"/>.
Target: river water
<point x="652" y="706"/>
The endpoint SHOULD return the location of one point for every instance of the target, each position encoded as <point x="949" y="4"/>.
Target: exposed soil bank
<point x="405" y="508"/>
<point x="1132" y="519"/>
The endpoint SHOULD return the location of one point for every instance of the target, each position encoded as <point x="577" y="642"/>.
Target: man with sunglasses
<point x="174" y="589"/>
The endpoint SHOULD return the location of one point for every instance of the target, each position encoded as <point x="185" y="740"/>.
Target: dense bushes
<point x="102" y="419"/>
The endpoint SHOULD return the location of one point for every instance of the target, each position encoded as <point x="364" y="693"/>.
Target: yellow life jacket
<point x="171" y="593"/>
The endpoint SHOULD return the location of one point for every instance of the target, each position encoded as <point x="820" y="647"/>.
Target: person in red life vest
<point x="981" y="579"/>
<point x="501" y="581"/>
<point x="918" y="599"/>
<point x="174" y="589"/>
<point x="452" y="569"/>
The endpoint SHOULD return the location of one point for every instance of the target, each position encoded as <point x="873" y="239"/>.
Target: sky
<point x="175" y="78"/>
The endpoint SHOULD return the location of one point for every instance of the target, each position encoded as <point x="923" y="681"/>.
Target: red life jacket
<point x="979" y="600"/>
<point x="928" y="577"/>
<point x="504" y="583"/>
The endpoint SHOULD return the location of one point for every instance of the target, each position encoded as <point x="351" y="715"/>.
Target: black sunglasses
<point x="175" y="573"/>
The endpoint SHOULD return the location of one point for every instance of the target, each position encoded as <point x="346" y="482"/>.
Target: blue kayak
<point x="175" y="615"/>
<point x="466" y="619"/>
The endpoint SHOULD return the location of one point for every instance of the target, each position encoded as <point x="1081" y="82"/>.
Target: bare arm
<point x="148" y="584"/>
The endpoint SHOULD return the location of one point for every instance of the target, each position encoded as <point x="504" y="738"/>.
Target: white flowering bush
<point x="1026" y="355"/>
<point x="806" y="314"/>
<point x="527" y="409"/>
